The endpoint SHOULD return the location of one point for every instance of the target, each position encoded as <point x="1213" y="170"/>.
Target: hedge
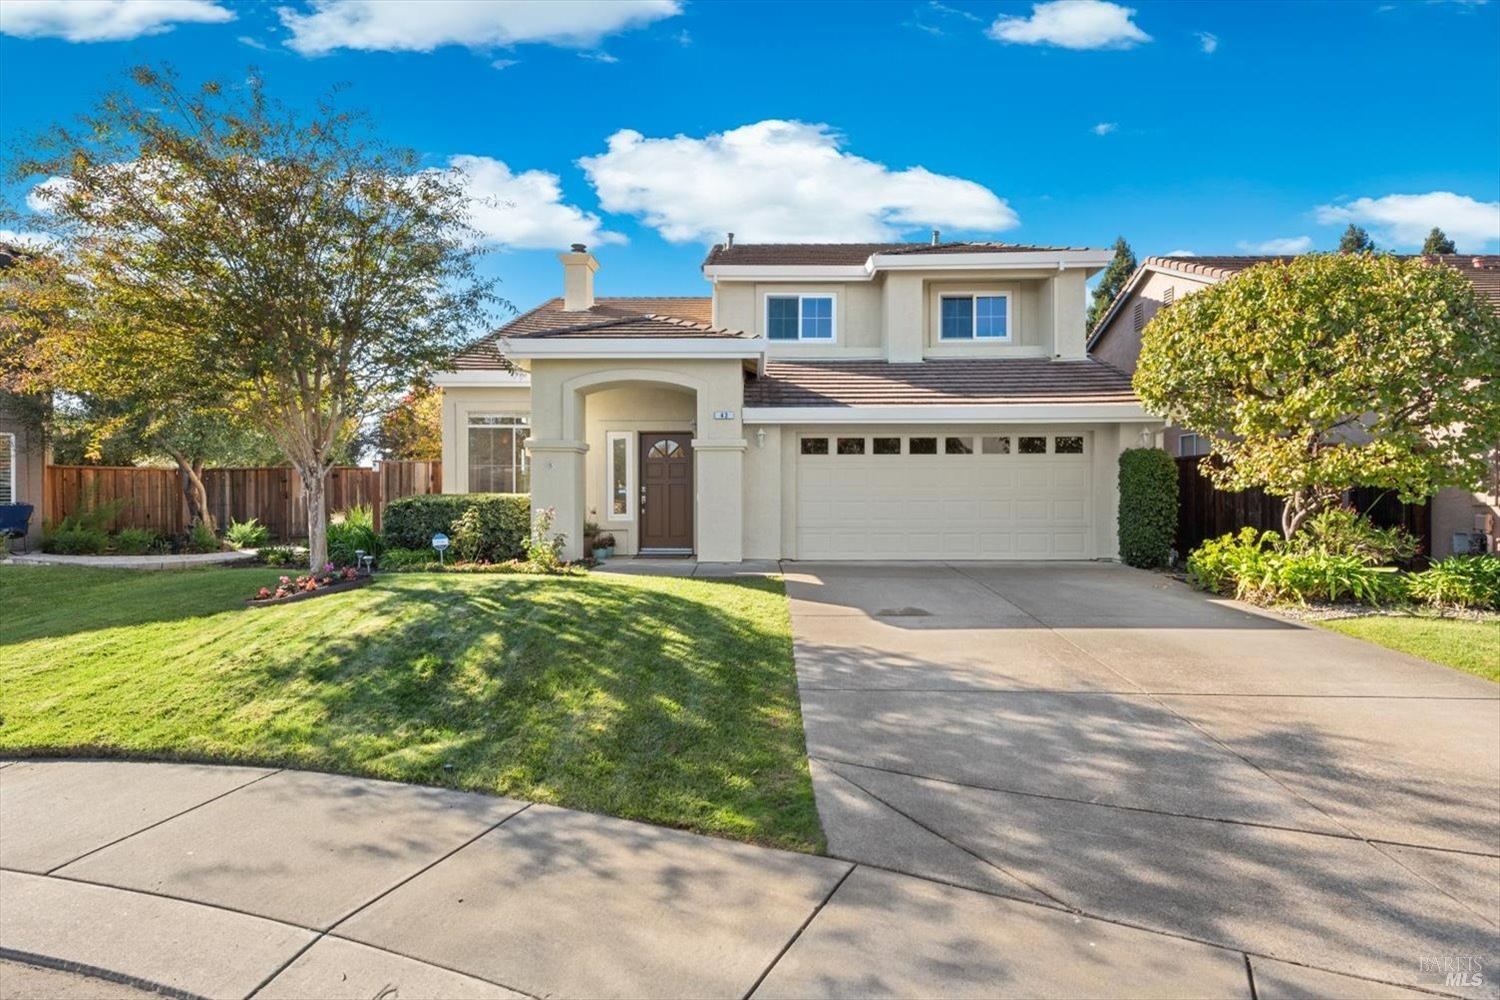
<point x="1148" y="507"/>
<point x="504" y="521"/>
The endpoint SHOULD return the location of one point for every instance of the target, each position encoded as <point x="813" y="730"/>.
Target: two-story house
<point x="827" y="401"/>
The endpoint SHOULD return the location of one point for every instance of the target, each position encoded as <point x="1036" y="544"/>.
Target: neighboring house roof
<point x="937" y="382"/>
<point x="1483" y="270"/>
<point x="849" y="254"/>
<point x="612" y="317"/>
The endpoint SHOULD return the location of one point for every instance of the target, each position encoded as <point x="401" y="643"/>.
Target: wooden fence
<point x="1203" y="511"/>
<point x="153" y="498"/>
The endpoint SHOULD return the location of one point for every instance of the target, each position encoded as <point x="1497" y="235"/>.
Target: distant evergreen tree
<point x="1115" y="275"/>
<point x="1438" y="242"/>
<point x="1356" y="240"/>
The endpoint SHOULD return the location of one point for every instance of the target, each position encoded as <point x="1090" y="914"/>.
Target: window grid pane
<point x="957" y="318"/>
<point x="996" y="445"/>
<point x="814" y="446"/>
<point x="887" y="446"/>
<point x="817" y="318"/>
<point x="781" y="317"/>
<point x="921" y="446"/>
<point x="1033" y="445"/>
<point x="851" y="446"/>
<point x="989" y="316"/>
<point x="498" y="461"/>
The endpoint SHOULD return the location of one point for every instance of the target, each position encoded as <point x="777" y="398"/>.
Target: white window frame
<point x="610" y="437"/>
<point x="1182" y="441"/>
<point x="10" y="446"/>
<point x="521" y="420"/>
<point x="974" y="336"/>
<point x="833" y="316"/>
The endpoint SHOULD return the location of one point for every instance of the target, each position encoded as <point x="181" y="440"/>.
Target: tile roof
<point x="612" y="317"/>
<point x="849" y="254"/>
<point x="937" y="382"/>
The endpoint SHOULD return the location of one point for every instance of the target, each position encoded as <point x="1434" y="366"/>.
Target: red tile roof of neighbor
<point x="937" y="382"/>
<point x="1481" y="269"/>
<point x="849" y="254"/>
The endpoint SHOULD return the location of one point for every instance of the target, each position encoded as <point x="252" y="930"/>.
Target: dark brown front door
<point x="666" y="492"/>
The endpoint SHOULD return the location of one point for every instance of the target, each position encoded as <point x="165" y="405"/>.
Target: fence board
<point x="153" y="498"/>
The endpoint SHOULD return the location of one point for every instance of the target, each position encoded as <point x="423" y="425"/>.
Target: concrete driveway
<point x="1108" y="740"/>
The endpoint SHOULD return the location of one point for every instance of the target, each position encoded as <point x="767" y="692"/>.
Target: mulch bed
<point x="302" y="595"/>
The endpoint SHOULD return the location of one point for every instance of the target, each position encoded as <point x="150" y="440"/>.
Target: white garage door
<point x="926" y="495"/>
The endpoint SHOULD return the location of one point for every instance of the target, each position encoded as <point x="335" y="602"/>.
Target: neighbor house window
<point x="1192" y="444"/>
<point x="498" y="462"/>
<point x="974" y="317"/>
<point x="7" y="468"/>
<point x="617" y="457"/>
<point x="799" y="317"/>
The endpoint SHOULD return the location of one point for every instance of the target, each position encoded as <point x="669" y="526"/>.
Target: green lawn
<point x="665" y="700"/>
<point x="1468" y="645"/>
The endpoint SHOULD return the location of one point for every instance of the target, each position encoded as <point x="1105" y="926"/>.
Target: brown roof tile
<point x="848" y="254"/>
<point x="618" y="316"/>
<point x="1481" y="269"/>
<point x="938" y="382"/>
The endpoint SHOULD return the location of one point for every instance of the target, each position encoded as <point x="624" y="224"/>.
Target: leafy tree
<point x="1332" y="371"/>
<point x="299" y="270"/>
<point x="412" y="430"/>
<point x="1115" y="275"/>
<point x="1438" y="242"/>
<point x="1356" y="240"/>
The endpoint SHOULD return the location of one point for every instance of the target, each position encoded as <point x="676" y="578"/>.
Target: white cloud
<point x="253" y="42"/>
<point x="104" y="20"/>
<point x="1104" y="128"/>
<point x="380" y="25"/>
<point x="41" y="196"/>
<point x="503" y="63"/>
<point x="1179" y="253"/>
<point x="24" y="240"/>
<point x="1208" y="41"/>
<point x="1405" y="219"/>
<point x="603" y="57"/>
<point x="1072" y="24"/>
<point x="525" y="211"/>
<point x="1280" y="245"/>
<point x="780" y="181"/>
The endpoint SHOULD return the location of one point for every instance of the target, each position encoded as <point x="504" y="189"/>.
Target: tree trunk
<point x="194" y="493"/>
<point x="315" y="495"/>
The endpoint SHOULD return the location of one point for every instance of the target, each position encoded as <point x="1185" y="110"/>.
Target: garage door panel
<point x="974" y="506"/>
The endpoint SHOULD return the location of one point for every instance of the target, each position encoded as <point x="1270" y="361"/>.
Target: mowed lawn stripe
<point x="671" y="701"/>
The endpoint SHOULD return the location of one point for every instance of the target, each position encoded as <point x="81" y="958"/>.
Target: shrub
<point x="74" y="540"/>
<point x="135" y="541"/>
<point x="410" y="523"/>
<point x="408" y="560"/>
<point x="201" y="538"/>
<point x="249" y="534"/>
<point x="1219" y="563"/>
<point x="1148" y="507"/>
<point x="282" y="555"/>
<point x="1460" y="581"/>
<point x="1342" y="531"/>
<point x="349" y="531"/>
<point x="544" y="549"/>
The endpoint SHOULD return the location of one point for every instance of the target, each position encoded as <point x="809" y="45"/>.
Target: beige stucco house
<point x="23" y="459"/>
<point x="1457" y="515"/>
<point x="825" y="401"/>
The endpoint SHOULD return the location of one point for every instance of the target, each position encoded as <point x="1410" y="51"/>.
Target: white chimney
<point x="578" y="278"/>
<point x="936" y="236"/>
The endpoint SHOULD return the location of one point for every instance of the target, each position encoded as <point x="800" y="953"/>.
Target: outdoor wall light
<point x="760" y="438"/>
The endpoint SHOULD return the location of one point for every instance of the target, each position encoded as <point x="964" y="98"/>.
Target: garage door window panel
<point x="1032" y="445"/>
<point x="958" y="446"/>
<point x="1071" y="444"/>
<point x="887" y="446"/>
<point x="922" y="446"/>
<point x="814" y="446"/>
<point x="994" y="445"/>
<point x="851" y="446"/>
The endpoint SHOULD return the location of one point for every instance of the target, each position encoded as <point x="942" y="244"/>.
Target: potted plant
<point x="590" y="532"/>
<point x="603" y="546"/>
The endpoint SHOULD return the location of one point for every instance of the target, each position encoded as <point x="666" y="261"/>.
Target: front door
<point x="666" y="492"/>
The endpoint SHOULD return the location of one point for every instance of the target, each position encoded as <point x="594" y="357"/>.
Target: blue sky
<point x="647" y="127"/>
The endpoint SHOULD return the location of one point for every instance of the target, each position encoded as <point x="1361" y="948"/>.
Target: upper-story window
<point x="975" y="317"/>
<point x="799" y="317"/>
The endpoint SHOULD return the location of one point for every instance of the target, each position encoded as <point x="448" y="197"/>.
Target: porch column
<point x="557" y="482"/>
<point x="720" y="465"/>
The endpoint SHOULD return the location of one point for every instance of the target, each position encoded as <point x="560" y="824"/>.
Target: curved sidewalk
<point x="236" y="882"/>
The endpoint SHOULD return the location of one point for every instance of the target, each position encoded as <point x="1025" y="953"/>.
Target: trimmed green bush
<point x="135" y="541"/>
<point x="1148" y="507"/>
<point x="75" y="540"/>
<point x="1459" y="582"/>
<point x="500" y="528"/>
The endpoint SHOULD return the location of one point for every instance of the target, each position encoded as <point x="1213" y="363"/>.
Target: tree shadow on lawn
<point x="668" y="701"/>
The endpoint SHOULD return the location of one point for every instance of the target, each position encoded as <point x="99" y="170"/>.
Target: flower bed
<point x="331" y="580"/>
